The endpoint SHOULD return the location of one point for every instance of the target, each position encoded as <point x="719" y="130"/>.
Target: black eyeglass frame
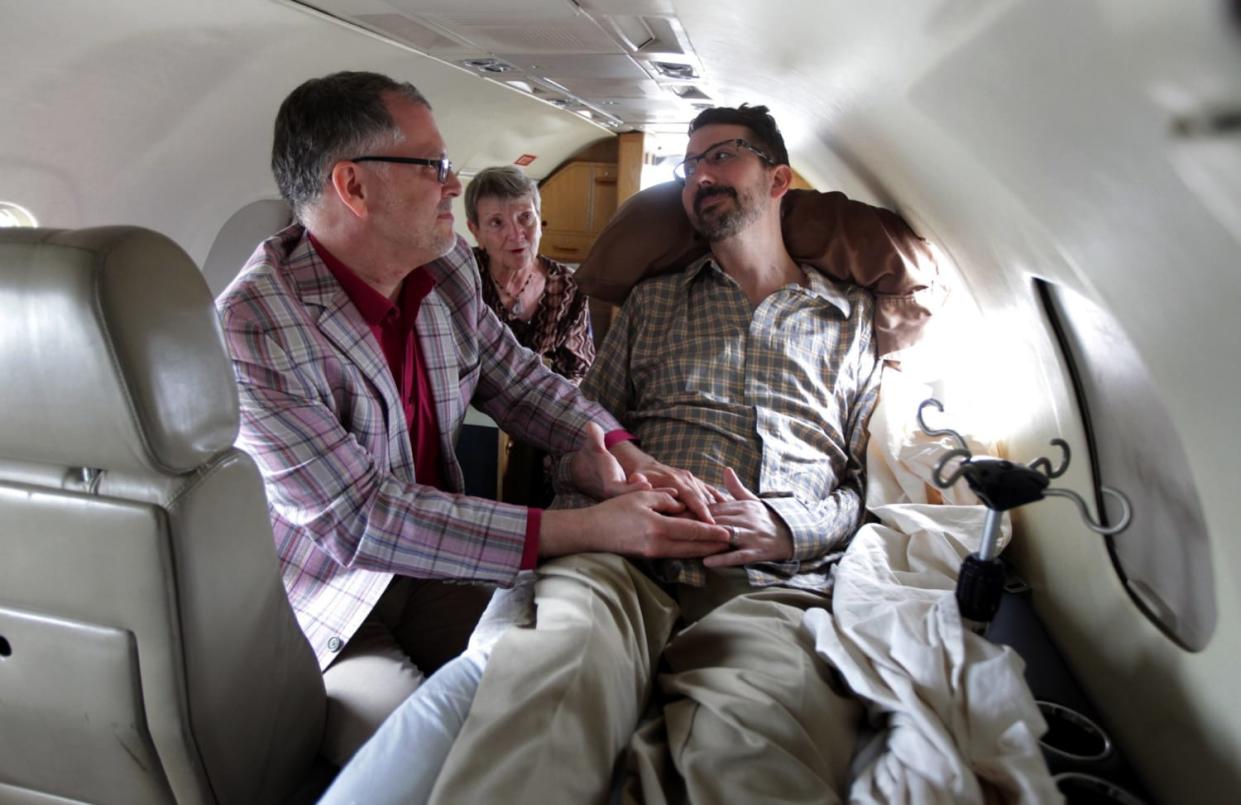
<point x="682" y="173"/>
<point x="443" y="166"/>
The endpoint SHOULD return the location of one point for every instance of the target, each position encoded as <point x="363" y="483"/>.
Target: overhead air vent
<point x="681" y="72"/>
<point x="554" y="97"/>
<point x="488" y="65"/>
<point x="691" y="93"/>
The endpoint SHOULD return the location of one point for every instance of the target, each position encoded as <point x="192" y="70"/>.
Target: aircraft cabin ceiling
<point x="624" y="64"/>
<point x="1092" y="144"/>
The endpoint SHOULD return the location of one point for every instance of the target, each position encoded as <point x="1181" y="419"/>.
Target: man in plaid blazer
<point x="358" y="338"/>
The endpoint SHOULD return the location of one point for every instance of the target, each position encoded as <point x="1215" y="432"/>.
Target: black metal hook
<point x="1003" y="485"/>
<point x="1043" y="465"/>
<point x="1126" y="510"/>
<point x="941" y="431"/>
<point x="943" y="462"/>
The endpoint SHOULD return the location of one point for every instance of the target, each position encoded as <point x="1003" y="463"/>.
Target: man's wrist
<point x="561" y="530"/>
<point x="530" y="553"/>
<point x="618" y="436"/>
<point x="627" y="454"/>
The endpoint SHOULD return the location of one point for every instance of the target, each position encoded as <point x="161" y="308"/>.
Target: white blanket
<point x="956" y="722"/>
<point x="954" y="708"/>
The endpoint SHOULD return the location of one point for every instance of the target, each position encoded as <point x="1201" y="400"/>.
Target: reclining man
<point x="358" y="338"/>
<point x="758" y="374"/>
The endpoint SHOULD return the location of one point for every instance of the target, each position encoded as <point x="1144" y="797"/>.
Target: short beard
<point x="440" y="243"/>
<point x="446" y="243"/>
<point x="724" y="224"/>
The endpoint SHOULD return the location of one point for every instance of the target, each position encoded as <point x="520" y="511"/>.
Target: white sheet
<point x="957" y="723"/>
<point x="955" y="706"/>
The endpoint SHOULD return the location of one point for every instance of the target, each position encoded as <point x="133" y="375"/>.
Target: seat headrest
<point x="110" y="353"/>
<point x="849" y="240"/>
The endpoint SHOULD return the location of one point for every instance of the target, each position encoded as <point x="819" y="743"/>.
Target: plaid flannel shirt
<point x="321" y="416"/>
<point x="781" y="393"/>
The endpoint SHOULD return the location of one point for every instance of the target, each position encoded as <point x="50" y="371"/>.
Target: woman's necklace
<point x="515" y="307"/>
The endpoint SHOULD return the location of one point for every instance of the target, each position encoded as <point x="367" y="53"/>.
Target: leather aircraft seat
<point x="147" y="650"/>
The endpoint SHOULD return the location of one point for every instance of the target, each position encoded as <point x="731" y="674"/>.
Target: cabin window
<point x="15" y="215"/>
<point x="664" y="149"/>
<point x="1164" y="557"/>
<point x="975" y="364"/>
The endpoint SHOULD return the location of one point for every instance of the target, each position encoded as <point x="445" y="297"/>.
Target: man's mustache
<point x="707" y="192"/>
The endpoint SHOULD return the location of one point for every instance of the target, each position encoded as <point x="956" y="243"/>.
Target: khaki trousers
<point x="740" y="709"/>
<point x="415" y="627"/>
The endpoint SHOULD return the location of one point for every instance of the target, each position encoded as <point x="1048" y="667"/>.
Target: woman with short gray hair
<point x="536" y="297"/>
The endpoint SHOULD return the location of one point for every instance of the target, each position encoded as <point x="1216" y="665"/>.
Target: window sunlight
<point x="12" y="215"/>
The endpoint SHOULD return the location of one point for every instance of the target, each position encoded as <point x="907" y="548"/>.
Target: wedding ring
<point x="732" y="536"/>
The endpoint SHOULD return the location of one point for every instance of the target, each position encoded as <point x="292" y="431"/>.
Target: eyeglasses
<point x="716" y="155"/>
<point x="442" y="166"/>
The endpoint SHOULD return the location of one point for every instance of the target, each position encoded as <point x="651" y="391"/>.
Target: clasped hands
<point x="651" y="510"/>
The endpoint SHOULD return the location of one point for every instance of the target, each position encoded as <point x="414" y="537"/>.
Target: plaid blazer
<point x="321" y="416"/>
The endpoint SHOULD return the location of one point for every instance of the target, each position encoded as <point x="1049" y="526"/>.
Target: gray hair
<point x="329" y="119"/>
<point x="505" y="182"/>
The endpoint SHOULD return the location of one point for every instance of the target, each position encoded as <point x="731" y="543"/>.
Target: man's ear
<point x="781" y="180"/>
<point x="346" y="182"/>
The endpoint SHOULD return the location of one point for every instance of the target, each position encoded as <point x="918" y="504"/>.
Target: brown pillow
<point x="872" y="247"/>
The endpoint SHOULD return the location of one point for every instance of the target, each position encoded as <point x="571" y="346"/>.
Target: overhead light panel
<point x="634" y="30"/>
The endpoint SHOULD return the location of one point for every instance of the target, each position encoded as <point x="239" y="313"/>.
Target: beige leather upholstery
<point x="147" y="650"/>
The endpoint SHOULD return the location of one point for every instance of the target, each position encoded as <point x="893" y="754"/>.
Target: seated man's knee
<point x="603" y="592"/>
<point x="745" y="633"/>
<point x="591" y="568"/>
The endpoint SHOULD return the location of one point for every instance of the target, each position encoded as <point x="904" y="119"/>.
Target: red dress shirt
<point x="394" y="328"/>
